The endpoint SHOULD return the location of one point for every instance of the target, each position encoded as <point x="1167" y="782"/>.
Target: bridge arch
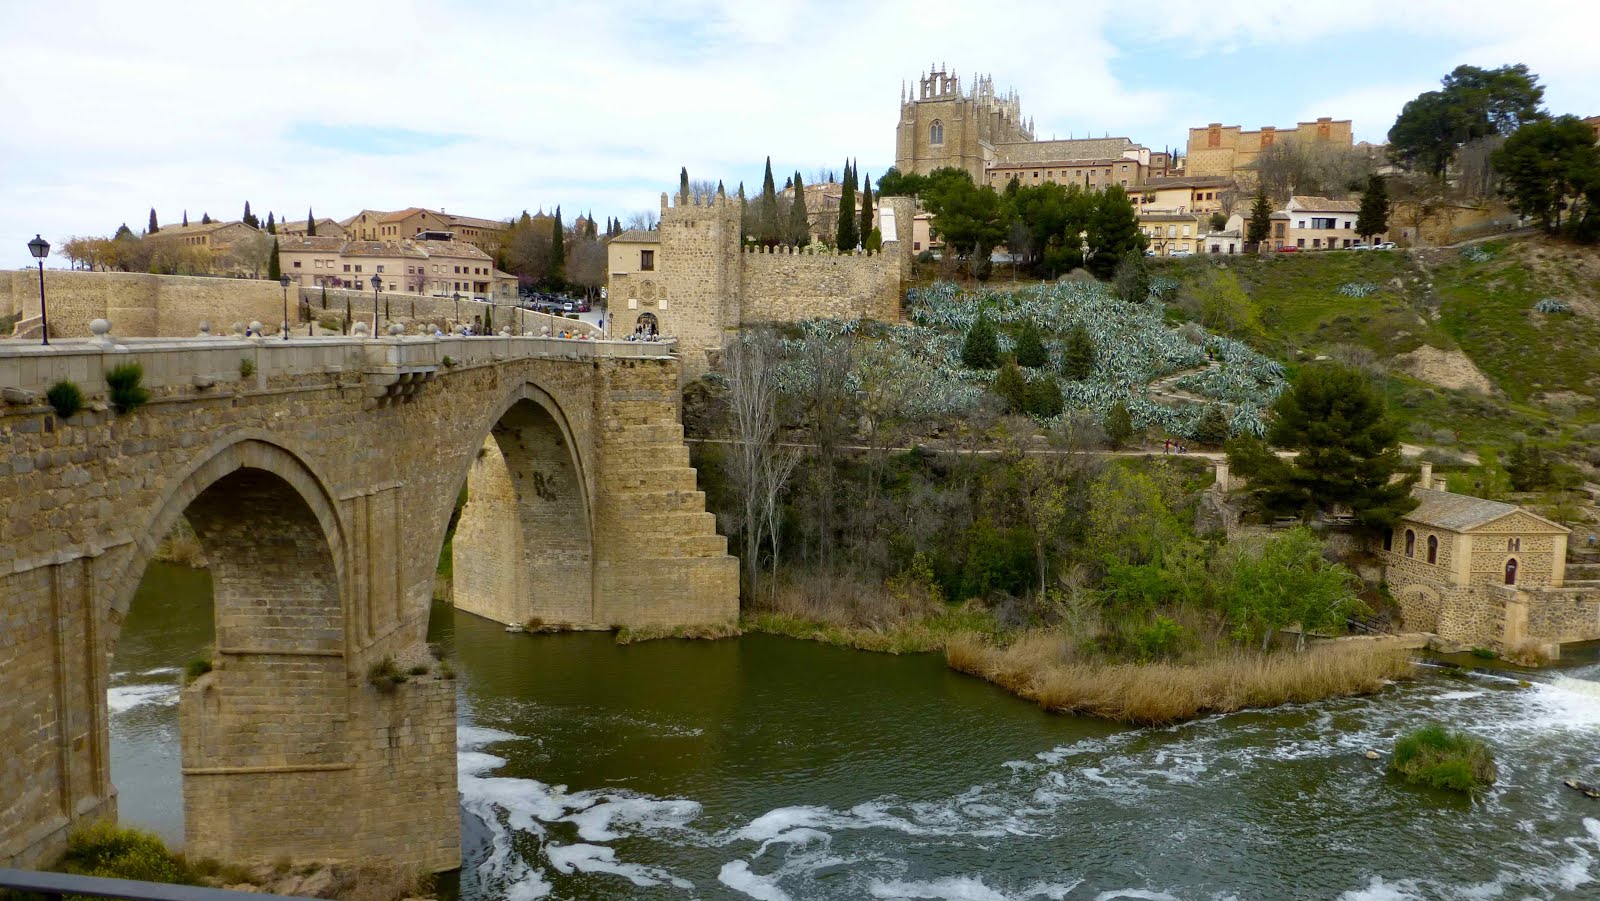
<point x="524" y="545"/>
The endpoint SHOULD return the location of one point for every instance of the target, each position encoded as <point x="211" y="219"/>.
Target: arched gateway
<point x="321" y="488"/>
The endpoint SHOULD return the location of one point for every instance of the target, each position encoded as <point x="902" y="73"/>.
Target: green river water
<point x="774" y="769"/>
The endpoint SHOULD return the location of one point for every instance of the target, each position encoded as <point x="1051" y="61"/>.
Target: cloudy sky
<point x="487" y="107"/>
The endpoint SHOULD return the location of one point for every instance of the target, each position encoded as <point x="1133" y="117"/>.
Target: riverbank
<point x="1042" y="667"/>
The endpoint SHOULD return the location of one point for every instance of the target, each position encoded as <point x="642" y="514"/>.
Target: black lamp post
<point x="40" y="248"/>
<point x="457" y="297"/>
<point x="284" y="281"/>
<point x="377" y="285"/>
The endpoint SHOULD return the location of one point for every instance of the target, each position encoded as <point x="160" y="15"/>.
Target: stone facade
<point x="1230" y="150"/>
<point x="139" y="304"/>
<point x="942" y="126"/>
<point x="320" y="486"/>
<point x="703" y="286"/>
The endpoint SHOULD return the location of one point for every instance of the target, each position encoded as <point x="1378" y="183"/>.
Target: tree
<point x="1077" y="354"/>
<point x="205" y="219"/>
<point x="767" y="226"/>
<point x="846" y="237"/>
<point x="799" y="222"/>
<point x="683" y="185"/>
<point x="1113" y="232"/>
<point x="1133" y="278"/>
<point x="964" y="214"/>
<point x="981" y="348"/>
<point x="311" y="223"/>
<point x="759" y="468"/>
<point x="1219" y="221"/>
<point x="186" y="218"/>
<point x="249" y="217"/>
<point x="1528" y="467"/>
<point x="557" y="276"/>
<point x="1287" y="581"/>
<point x="1030" y="347"/>
<point x="1473" y="103"/>
<point x="1374" y="216"/>
<point x="153" y="226"/>
<point x="272" y="225"/>
<point x="1545" y="162"/>
<point x="895" y="183"/>
<point x="1119" y="424"/>
<point x="1260" y="227"/>
<point x="1012" y="387"/>
<point x="866" y="209"/>
<point x="274" y="267"/>
<point x="1349" y="450"/>
<point x="1212" y="427"/>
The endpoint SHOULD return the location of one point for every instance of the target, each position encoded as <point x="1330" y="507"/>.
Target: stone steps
<point x="645" y="503"/>
<point x="681" y="523"/>
<point x="668" y="478"/>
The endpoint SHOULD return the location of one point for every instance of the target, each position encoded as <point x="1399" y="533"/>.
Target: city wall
<point x="780" y="285"/>
<point x="141" y="304"/>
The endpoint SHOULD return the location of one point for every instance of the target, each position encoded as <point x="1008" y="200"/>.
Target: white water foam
<point x="1145" y="894"/>
<point x="737" y="876"/>
<point x="123" y="698"/>
<point x="1457" y="695"/>
<point x="968" y="888"/>
<point x="604" y="821"/>
<point x="1378" y="890"/>
<point x="598" y="859"/>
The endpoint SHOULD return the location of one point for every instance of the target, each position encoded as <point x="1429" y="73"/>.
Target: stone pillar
<point x="1425" y="479"/>
<point x="1223" y="481"/>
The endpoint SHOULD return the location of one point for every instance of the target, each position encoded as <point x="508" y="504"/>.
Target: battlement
<point x="681" y="204"/>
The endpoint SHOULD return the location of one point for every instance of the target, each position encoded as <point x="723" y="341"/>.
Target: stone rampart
<point x="416" y="309"/>
<point x="139" y="303"/>
<point x="785" y="285"/>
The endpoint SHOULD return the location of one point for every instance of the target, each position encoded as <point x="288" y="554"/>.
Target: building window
<point x="297" y="264"/>
<point x="1388" y="540"/>
<point x="358" y="267"/>
<point x="347" y="267"/>
<point x="1411" y="543"/>
<point x="1300" y="242"/>
<point x="1433" y="549"/>
<point x="380" y="267"/>
<point x="915" y="245"/>
<point x="1511" y="571"/>
<point x="647" y="261"/>
<point x="1324" y="223"/>
<point x="936" y="132"/>
<point x="1513" y="544"/>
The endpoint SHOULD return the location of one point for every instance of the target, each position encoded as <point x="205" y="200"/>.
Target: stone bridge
<point x="320" y="475"/>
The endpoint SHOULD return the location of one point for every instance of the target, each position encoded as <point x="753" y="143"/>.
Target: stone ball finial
<point x="505" y="331"/>
<point x="205" y="329"/>
<point x="544" y="332"/>
<point x="255" y="327"/>
<point x="359" y="330"/>
<point x="100" y="327"/>
<point x="396" y="328"/>
<point x="236" y="329"/>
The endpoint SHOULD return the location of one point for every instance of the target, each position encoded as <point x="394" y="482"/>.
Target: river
<point x="769" y="768"/>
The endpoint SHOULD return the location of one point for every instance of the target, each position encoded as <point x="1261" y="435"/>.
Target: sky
<point x="487" y="108"/>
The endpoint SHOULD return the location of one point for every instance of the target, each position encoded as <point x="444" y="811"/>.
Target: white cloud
<point x="112" y="107"/>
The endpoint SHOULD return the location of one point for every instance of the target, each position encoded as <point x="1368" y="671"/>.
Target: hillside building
<point x="1231" y="151"/>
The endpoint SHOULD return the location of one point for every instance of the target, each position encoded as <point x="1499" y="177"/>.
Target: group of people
<point x="1174" y="447"/>
<point x="644" y="332"/>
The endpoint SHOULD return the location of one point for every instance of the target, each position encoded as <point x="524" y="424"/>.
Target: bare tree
<point x="251" y="252"/>
<point x="1474" y="168"/>
<point x="586" y="262"/>
<point x="644" y="220"/>
<point x="758" y="470"/>
<point x="702" y="190"/>
<point x="826" y="400"/>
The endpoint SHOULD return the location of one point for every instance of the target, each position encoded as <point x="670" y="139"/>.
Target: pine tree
<point x="311" y="223"/>
<point x="683" y="185"/>
<point x="1374" y="216"/>
<point x="1044" y="398"/>
<point x="1260" y="219"/>
<point x="1077" y="355"/>
<point x="981" y="348"/>
<point x="1030" y="347"/>
<point x="153" y="226"/>
<point x="186" y="218"/>
<point x="558" y="253"/>
<point x="1212" y="427"/>
<point x="1118" y="424"/>
<point x="799" y="223"/>
<point x="847" y="238"/>
<point x="865" y="228"/>
<point x="1133" y="278"/>
<point x="272" y="225"/>
<point x="1113" y="231"/>
<point x="767" y="227"/>
<point x="1012" y="387"/>
<point x="274" y="267"/>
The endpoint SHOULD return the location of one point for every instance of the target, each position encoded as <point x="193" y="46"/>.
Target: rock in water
<point x="1373" y="755"/>
<point x="1592" y="791"/>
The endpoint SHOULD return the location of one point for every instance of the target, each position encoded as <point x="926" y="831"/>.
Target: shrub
<point x="1439" y="758"/>
<point x="981" y="349"/>
<point x="197" y="667"/>
<point x="385" y="675"/>
<point x="1077" y="357"/>
<point x="111" y="851"/>
<point x="1160" y="640"/>
<point x="1043" y="398"/>
<point x="1357" y="289"/>
<point x="1476" y="254"/>
<point x="1212" y="428"/>
<point x="330" y="323"/>
<point x="1119" y="425"/>
<point x="1552" y="305"/>
<point x="1030" y="347"/>
<point x="1483" y="653"/>
<point x="247" y="368"/>
<point x="127" y="394"/>
<point x="66" y="398"/>
<point x="418" y="670"/>
<point x="1012" y="387"/>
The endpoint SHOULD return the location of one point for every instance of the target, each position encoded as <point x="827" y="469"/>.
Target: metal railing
<point x="56" y="886"/>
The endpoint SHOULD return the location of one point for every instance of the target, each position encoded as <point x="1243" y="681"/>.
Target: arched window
<point x="1511" y="571"/>
<point x="1513" y="545"/>
<point x="936" y="132"/>
<point x="1411" y="543"/>
<point x="1433" y="549"/>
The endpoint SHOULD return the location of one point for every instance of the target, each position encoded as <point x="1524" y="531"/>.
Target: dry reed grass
<point x="1041" y="667"/>
<point x="849" y="612"/>
<point x="182" y="547"/>
<point x="627" y="635"/>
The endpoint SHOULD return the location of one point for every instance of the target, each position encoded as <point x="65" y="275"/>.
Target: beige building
<point x="941" y="125"/>
<point x="429" y="267"/>
<point x="296" y="228"/>
<point x="1202" y="194"/>
<point x="1171" y="232"/>
<point x="1231" y="151"/>
<point x="406" y="224"/>
<point x="1316" y="223"/>
<point x="216" y="237"/>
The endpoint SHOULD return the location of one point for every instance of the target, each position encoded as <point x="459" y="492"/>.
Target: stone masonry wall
<point x="784" y="286"/>
<point x="1564" y="614"/>
<point x="139" y="304"/>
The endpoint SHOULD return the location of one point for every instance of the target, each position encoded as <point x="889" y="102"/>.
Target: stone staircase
<point x="30" y="328"/>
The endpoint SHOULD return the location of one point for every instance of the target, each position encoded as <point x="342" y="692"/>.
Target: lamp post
<point x="457" y="297"/>
<point x="40" y="248"/>
<point x="284" y="281"/>
<point x="377" y="285"/>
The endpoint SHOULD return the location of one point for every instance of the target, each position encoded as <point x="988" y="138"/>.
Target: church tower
<point x="940" y="125"/>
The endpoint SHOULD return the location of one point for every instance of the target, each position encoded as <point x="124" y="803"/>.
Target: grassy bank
<point x="1042" y="667"/>
<point x="904" y="616"/>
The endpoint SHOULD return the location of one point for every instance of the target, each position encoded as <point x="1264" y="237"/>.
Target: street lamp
<point x="40" y="248"/>
<point x="284" y="281"/>
<point x="457" y="296"/>
<point x="377" y="285"/>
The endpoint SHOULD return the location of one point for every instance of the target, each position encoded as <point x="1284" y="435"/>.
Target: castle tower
<point x="699" y="283"/>
<point x="940" y="125"/>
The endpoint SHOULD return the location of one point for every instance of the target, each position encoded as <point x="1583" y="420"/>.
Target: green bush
<point x="196" y="668"/>
<point x="1043" y="398"/>
<point x="247" y="368"/>
<point x="66" y="398"/>
<point x="1439" y="758"/>
<point x="1077" y="357"/>
<point x="1118" y="425"/>
<point x="385" y="675"/>
<point x="1160" y="640"/>
<point x="1213" y="426"/>
<point x="997" y="560"/>
<point x="981" y="349"/>
<point x="1030" y="347"/>
<point x="1012" y="387"/>
<point x="107" y="850"/>
<point x="127" y="394"/>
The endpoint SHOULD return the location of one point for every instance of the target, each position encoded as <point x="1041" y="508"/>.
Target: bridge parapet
<point x="173" y="363"/>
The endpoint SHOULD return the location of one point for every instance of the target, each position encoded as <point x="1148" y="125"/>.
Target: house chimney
<point x="1426" y="478"/>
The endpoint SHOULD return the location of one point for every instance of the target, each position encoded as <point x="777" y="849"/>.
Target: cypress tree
<point x="1118" y="424"/>
<point x="866" y="208"/>
<point x="683" y="185"/>
<point x="274" y="267"/>
<point x="558" y="252"/>
<point x="744" y="215"/>
<point x="1077" y="356"/>
<point x="249" y="217"/>
<point x="272" y="225"/>
<point x="767" y="228"/>
<point x="799" y="223"/>
<point x="311" y="223"/>
<point x="1030" y="347"/>
<point x="1012" y="387"/>
<point x="186" y="218"/>
<point x="846" y="238"/>
<point x="153" y="227"/>
<point x="1260" y="219"/>
<point x="981" y="348"/>
<point x="1374" y="216"/>
<point x="205" y="218"/>
<point x="1212" y="427"/>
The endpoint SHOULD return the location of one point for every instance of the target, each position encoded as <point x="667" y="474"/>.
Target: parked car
<point x="1149" y="252"/>
<point x="1360" y="245"/>
<point x="1288" y="248"/>
<point x="1180" y="253"/>
<point x="583" y="306"/>
<point x="1384" y="245"/>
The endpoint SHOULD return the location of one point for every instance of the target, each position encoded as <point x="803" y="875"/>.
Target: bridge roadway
<point x="320" y="475"/>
